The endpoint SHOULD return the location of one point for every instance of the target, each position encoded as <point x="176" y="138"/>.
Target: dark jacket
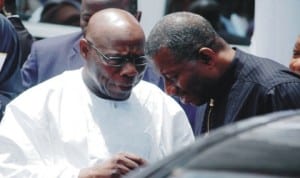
<point x="10" y="78"/>
<point x="252" y="86"/>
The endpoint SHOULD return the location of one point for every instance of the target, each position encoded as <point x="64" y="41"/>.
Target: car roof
<point x="263" y="146"/>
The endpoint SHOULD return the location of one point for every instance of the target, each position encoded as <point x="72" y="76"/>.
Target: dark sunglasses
<point x="119" y="61"/>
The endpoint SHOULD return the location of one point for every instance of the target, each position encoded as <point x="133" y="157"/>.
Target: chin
<point x="197" y="102"/>
<point x="194" y="104"/>
<point x="121" y="96"/>
<point x="192" y="100"/>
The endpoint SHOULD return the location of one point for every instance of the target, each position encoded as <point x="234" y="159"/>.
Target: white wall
<point x="277" y="26"/>
<point x="152" y="11"/>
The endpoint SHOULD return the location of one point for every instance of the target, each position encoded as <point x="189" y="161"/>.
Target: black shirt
<point x="252" y="86"/>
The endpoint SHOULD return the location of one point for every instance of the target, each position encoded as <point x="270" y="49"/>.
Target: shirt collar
<point x="228" y="78"/>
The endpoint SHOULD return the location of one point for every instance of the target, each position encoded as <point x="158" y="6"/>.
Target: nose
<point x="129" y="70"/>
<point x="170" y="88"/>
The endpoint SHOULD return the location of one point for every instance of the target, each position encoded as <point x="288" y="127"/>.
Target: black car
<point x="263" y="146"/>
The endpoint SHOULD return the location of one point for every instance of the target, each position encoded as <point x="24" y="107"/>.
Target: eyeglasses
<point x="119" y="61"/>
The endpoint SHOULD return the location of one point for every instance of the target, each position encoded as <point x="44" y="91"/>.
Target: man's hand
<point x="115" y="167"/>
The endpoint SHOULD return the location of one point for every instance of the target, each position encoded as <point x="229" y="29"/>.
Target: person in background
<point x="10" y="63"/>
<point x="201" y="68"/>
<point x="100" y="120"/>
<point x="9" y="9"/>
<point x="295" y="61"/>
<point x="65" y="12"/>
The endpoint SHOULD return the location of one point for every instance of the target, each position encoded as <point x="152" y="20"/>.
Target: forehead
<point x="120" y="32"/>
<point x="122" y="46"/>
<point x="166" y="62"/>
<point x="96" y="5"/>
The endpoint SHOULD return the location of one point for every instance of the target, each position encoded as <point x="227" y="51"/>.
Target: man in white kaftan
<point x="58" y="127"/>
<point x="61" y="126"/>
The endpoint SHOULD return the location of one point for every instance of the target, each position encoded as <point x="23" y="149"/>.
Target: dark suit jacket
<point x="251" y="86"/>
<point x="50" y="57"/>
<point x="10" y="78"/>
<point x="26" y="39"/>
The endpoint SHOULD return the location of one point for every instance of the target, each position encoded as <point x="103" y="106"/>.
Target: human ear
<point x="84" y="48"/>
<point x="138" y="15"/>
<point x="206" y="55"/>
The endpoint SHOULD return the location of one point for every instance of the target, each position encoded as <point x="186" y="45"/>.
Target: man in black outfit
<point x="200" y="67"/>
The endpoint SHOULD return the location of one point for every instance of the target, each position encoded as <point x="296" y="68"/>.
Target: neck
<point x="226" y="55"/>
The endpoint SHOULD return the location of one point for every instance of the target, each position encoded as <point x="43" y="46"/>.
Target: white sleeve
<point x="176" y="128"/>
<point x="182" y="131"/>
<point x="27" y="148"/>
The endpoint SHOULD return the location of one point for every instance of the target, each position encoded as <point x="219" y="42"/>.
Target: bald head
<point x="111" y="25"/>
<point x="89" y="7"/>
